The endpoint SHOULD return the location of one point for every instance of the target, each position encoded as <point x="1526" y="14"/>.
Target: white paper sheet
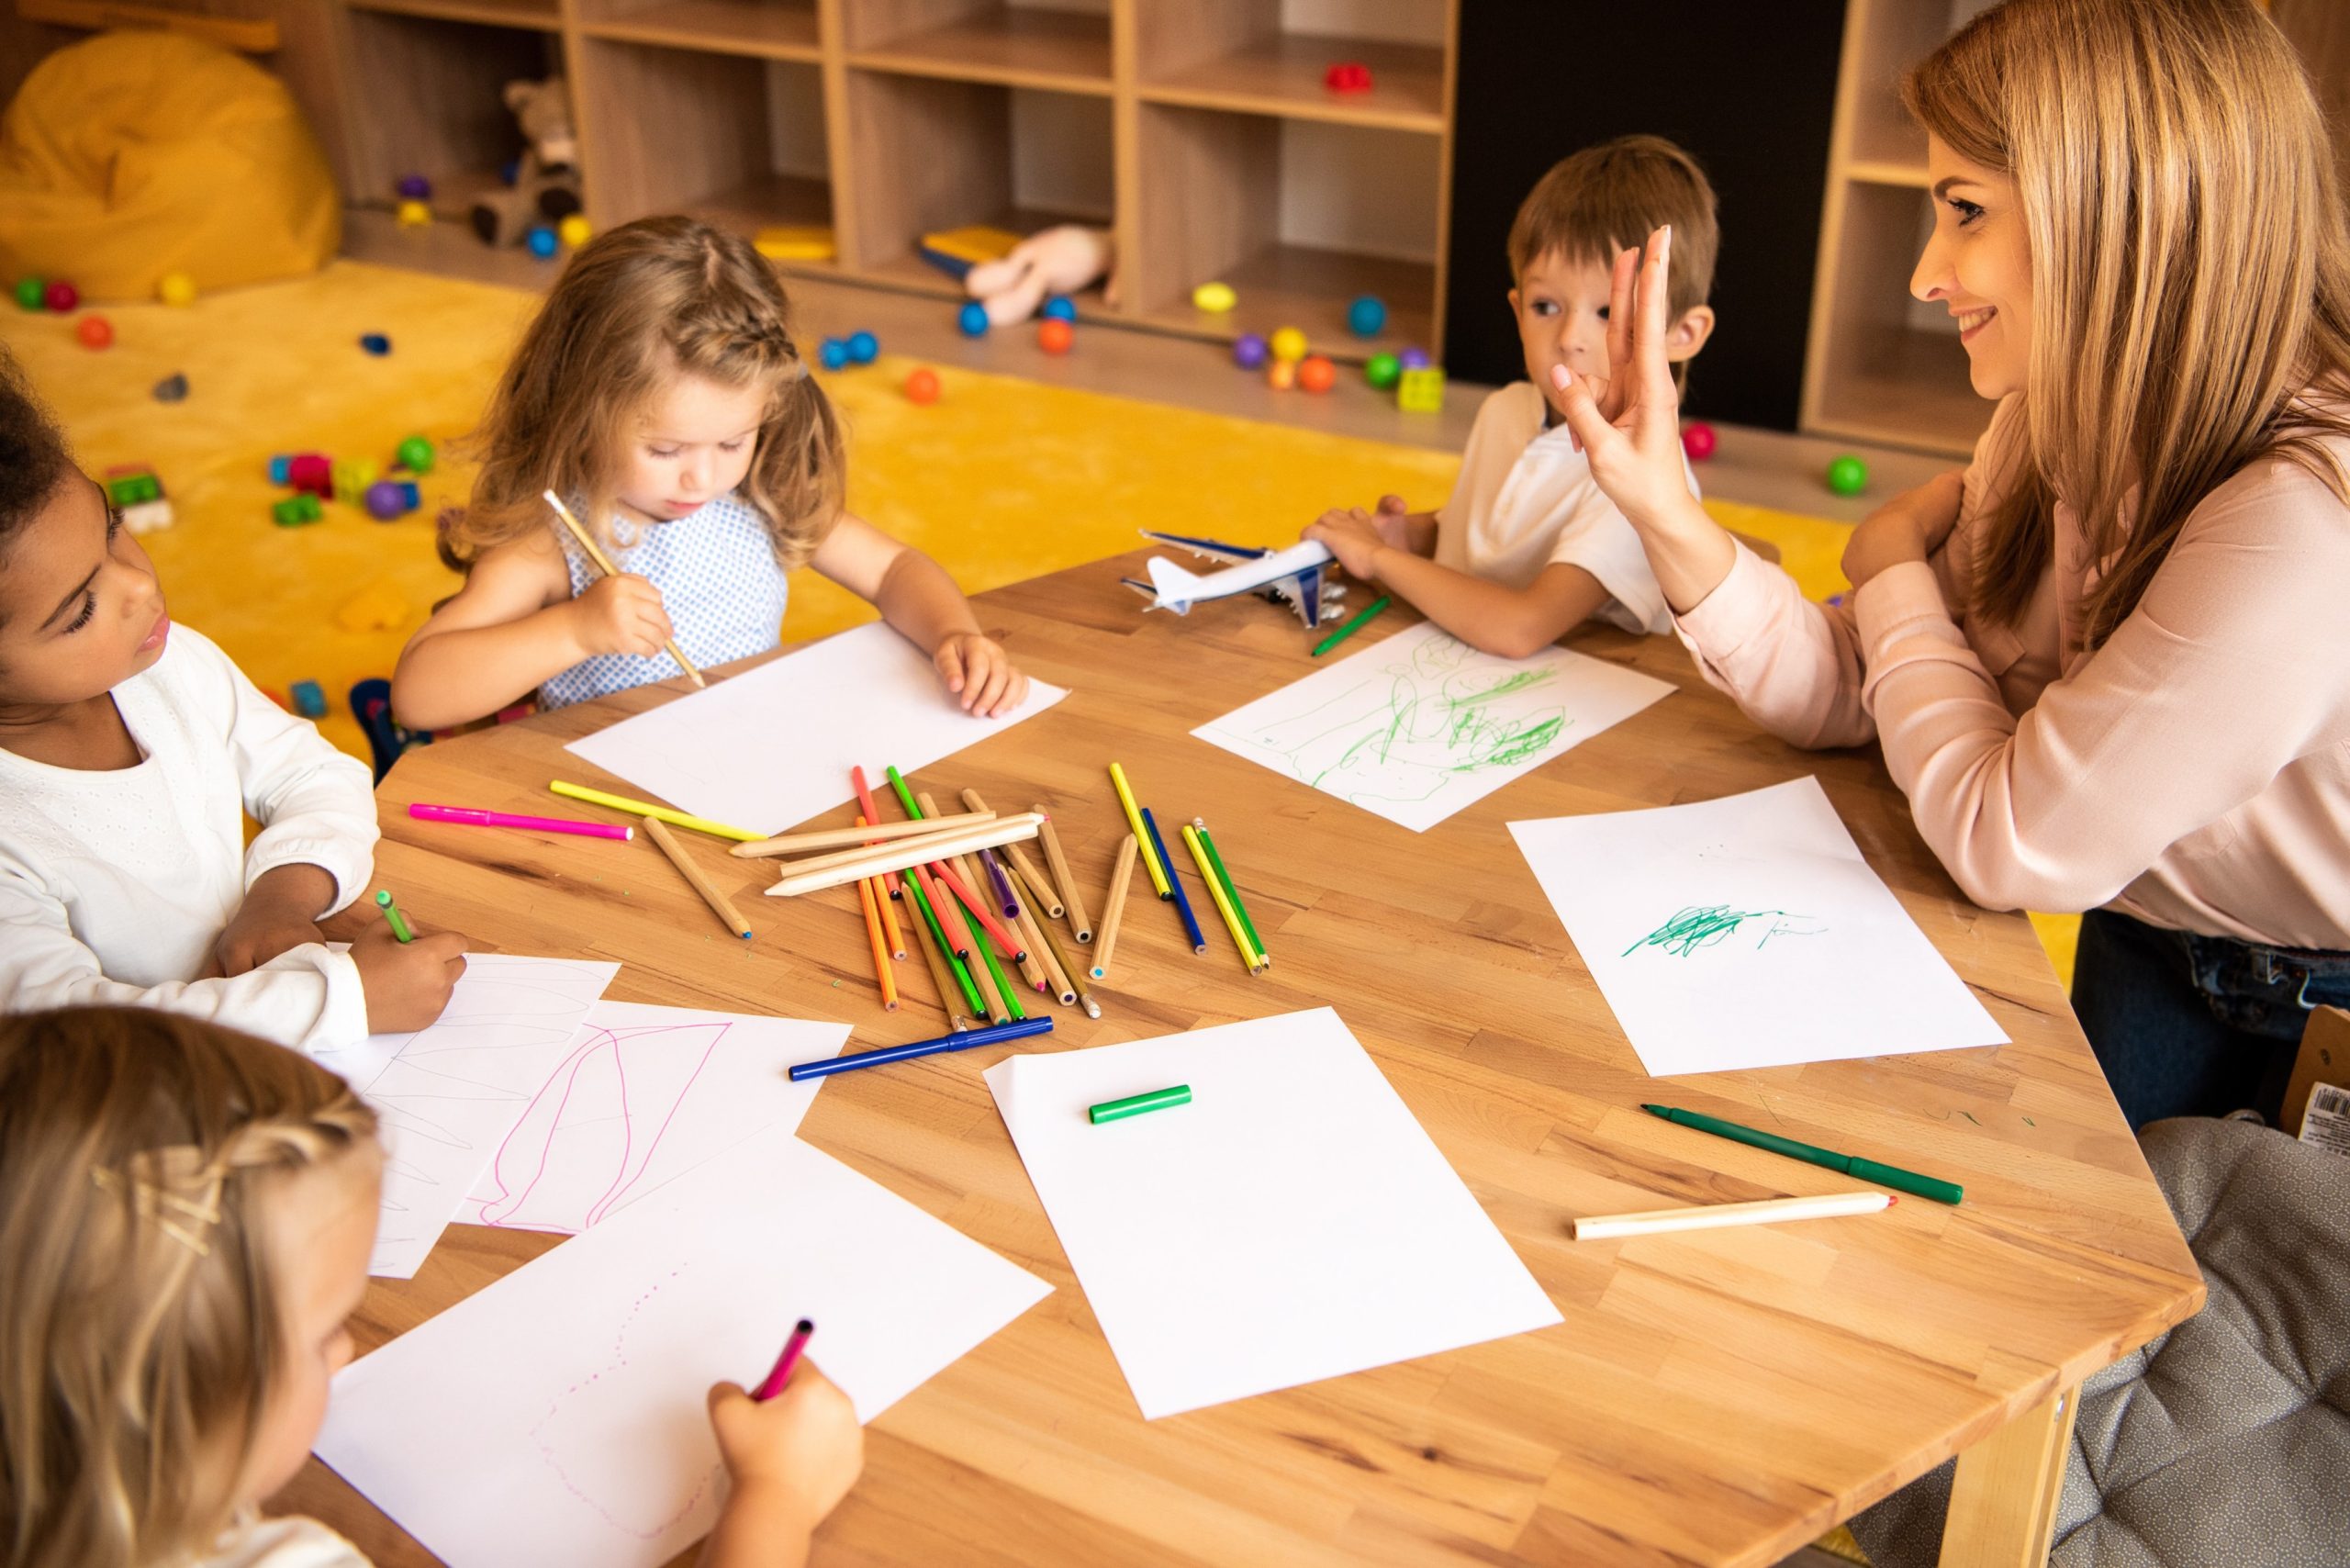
<point x="557" y="1415"/>
<point x="1747" y="932"/>
<point x="642" y="1095"/>
<point x="447" y="1095"/>
<point x="1293" y="1222"/>
<point x="1421" y="726"/>
<point x="773" y="746"/>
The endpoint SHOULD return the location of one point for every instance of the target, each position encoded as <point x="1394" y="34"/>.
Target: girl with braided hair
<point x="185" y="1219"/>
<point x="660" y="393"/>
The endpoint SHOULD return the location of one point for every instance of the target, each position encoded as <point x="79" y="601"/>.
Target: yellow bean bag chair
<point x="133" y="155"/>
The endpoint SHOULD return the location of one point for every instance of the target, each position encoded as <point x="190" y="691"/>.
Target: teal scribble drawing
<point x="1698" y="927"/>
<point x="1436" y="713"/>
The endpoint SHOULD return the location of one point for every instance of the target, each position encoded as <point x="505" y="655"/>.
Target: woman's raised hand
<point x="1628" y="422"/>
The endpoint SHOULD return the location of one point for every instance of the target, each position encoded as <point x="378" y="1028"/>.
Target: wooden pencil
<point x="1032" y="964"/>
<point x="604" y="564"/>
<point x="1074" y="973"/>
<point x="1037" y="884"/>
<point x="1116" y="914"/>
<point x="658" y="832"/>
<point x="939" y="848"/>
<point x="872" y="832"/>
<point x="889" y="917"/>
<point x="1079" y="924"/>
<point x="1056" y="981"/>
<point x="949" y="997"/>
<point x="1705" y="1216"/>
<point x="864" y="896"/>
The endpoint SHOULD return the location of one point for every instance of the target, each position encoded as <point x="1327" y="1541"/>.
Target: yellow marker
<point x="1159" y="873"/>
<point x="646" y="809"/>
<point x="1249" y="954"/>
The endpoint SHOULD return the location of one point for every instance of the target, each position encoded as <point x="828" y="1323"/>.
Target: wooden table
<point x="1721" y="1397"/>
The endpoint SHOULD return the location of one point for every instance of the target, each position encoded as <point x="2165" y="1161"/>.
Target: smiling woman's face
<point x="1978" y="262"/>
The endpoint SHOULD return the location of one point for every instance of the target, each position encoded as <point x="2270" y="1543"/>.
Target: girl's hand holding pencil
<point x="980" y="673"/>
<point x="792" y="1458"/>
<point x="619" y="614"/>
<point x="407" y="983"/>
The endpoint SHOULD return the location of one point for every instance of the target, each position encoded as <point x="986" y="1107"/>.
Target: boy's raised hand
<point x="1629" y="423"/>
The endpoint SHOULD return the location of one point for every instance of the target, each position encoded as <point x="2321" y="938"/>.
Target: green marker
<point x="1851" y="1165"/>
<point x="1135" y="1105"/>
<point x="1353" y="625"/>
<point x="392" y="912"/>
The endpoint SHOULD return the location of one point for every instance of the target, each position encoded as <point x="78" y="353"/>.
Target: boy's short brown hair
<point x="1606" y="198"/>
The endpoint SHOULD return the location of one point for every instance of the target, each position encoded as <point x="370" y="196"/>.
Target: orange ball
<point x="922" y="386"/>
<point x="1281" y="375"/>
<point x="1054" y="336"/>
<point x="95" y="332"/>
<point x="1316" y="374"/>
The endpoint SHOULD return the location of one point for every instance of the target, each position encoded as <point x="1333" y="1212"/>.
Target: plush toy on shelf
<point x="546" y="186"/>
<point x="1058" y="262"/>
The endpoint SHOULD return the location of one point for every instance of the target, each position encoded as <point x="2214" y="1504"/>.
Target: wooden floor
<point x="1764" y="468"/>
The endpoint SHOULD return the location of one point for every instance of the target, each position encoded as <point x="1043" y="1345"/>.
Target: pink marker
<point x="786" y="1361"/>
<point x="474" y="818"/>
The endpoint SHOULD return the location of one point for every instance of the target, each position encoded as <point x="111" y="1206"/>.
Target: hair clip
<point x="148" y="1200"/>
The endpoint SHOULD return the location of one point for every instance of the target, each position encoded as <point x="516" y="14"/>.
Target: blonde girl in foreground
<point x="660" y="393"/>
<point x="185" y="1219"/>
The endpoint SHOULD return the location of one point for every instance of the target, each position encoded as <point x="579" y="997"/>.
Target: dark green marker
<point x="1851" y="1165"/>
<point x="1353" y="626"/>
<point x="1135" y="1105"/>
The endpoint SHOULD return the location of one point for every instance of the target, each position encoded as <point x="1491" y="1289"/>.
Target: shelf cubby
<point x="982" y="40"/>
<point x="770" y="29"/>
<point x="1251" y="56"/>
<point x="542" y="16"/>
<point x="436" y="103"/>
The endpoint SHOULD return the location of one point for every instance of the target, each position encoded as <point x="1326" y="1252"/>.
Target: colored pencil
<point x="1080" y="926"/>
<point x="1232" y="890"/>
<point x="1116" y="912"/>
<point x="1851" y="1165"/>
<point x="897" y="857"/>
<point x="994" y="869"/>
<point x="872" y="814"/>
<point x="470" y="817"/>
<point x="1248" y="959"/>
<point x="1354" y="624"/>
<point x="994" y="1034"/>
<point x="945" y="946"/>
<point x="880" y="946"/>
<point x="952" y="880"/>
<point x="1705" y="1217"/>
<point x="850" y="837"/>
<point x="719" y="903"/>
<point x="1182" y="904"/>
<point x="905" y="796"/>
<point x="647" y="809"/>
<point x="888" y="914"/>
<point x="604" y="564"/>
<point x="782" y="1373"/>
<point x="1003" y="1003"/>
<point x="393" y="917"/>
<point x="1048" y="956"/>
<point x="1039" y="888"/>
<point x="939" y="978"/>
<point x="1142" y="840"/>
<point x="1075" y="973"/>
<point x="943" y="906"/>
<point x="912" y="843"/>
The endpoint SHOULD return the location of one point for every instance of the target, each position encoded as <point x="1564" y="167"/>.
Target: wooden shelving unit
<point x="1199" y="131"/>
<point x="1879" y="366"/>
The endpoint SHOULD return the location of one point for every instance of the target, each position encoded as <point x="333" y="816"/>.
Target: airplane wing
<point x="1180" y="589"/>
<point x="1215" y="549"/>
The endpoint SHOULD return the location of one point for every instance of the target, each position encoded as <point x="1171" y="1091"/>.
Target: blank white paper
<point x="557" y="1417"/>
<point x="446" y="1095"/>
<point x="1422" y="725"/>
<point x="1293" y="1223"/>
<point x="1747" y="932"/>
<point x="642" y="1095"/>
<point x="774" y="746"/>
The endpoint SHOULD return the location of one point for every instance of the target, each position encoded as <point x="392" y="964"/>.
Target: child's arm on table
<point x="915" y="596"/>
<point x="1393" y="520"/>
<point x="514" y="624"/>
<point x="1510" y="624"/>
<point x="791" y="1458"/>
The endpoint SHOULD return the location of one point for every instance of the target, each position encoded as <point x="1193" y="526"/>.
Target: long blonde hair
<point x="2190" y="272"/>
<point x="637" y="306"/>
<point x="140" y="1335"/>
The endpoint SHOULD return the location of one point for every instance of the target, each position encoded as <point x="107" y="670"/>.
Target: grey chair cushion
<point x="2224" y="1443"/>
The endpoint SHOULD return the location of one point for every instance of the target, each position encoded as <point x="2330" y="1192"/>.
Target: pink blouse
<point x="2193" y="772"/>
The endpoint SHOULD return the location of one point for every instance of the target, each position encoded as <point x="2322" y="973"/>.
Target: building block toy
<point x="1347" y="76"/>
<point x="1420" y="391"/>
<point x="296" y="511"/>
<point x="308" y="700"/>
<point x="177" y="289"/>
<point x="415" y="455"/>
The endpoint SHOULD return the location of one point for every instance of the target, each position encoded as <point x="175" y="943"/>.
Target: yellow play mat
<point x="1002" y="479"/>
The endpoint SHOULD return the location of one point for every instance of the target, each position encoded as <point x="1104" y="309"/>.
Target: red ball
<point x="1697" y="439"/>
<point x="922" y="386"/>
<point x="1055" y="336"/>
<point x="61" y="296"/>
<point x="95" y="332"/>
<point x="1316" y="374"/>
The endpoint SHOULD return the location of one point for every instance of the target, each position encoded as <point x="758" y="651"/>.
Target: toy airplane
<point x="1291" y="576"/>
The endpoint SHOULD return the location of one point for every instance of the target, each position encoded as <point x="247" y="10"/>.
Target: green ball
<point x="31" y="292"/>
<point x="1847" y="476"/>
<point x="1382" y="371"/>
<point x="416" y="454"/>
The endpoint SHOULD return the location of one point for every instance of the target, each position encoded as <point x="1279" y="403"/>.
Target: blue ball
<point x="1249" y="351"/>
<point x="1366" y="316"/>
<point x="973" y="319"/>
<point x="1412" y="359"/>
<point x="375" y="344"/>
<point x="542" y="241"/>
<point x="863" y="348"/>
<point x="834" y="354"/>
<point x="1060" y="307"/>
<point x="280" y="468"/>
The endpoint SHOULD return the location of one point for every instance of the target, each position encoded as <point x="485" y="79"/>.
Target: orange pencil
<point x="890" y="920"/>
<point x="880" y="955"/>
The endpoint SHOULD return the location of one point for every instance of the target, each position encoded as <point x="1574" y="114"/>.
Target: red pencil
<point x="864" y="799"/>
<point x="786" y="1361"/>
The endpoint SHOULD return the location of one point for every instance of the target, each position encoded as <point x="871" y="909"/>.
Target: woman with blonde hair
<point x="2108" y="663"/>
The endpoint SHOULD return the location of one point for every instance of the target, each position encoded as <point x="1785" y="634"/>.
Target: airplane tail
<point x="1176" y="588"/>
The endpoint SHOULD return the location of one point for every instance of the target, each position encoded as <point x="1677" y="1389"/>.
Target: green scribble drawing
<point x="1693" y="929"/>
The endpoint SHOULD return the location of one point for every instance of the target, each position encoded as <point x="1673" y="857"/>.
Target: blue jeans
<point x="2188" y="1026"/>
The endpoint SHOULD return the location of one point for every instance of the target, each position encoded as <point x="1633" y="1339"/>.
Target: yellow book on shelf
<point x="797" y="242"/>
<point x="971" y="244"/>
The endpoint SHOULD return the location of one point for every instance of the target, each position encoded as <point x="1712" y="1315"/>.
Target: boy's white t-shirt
<point x="1526" y="499"/>
<point x="115" y="886"/>
<point x="290" y="1542"/>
